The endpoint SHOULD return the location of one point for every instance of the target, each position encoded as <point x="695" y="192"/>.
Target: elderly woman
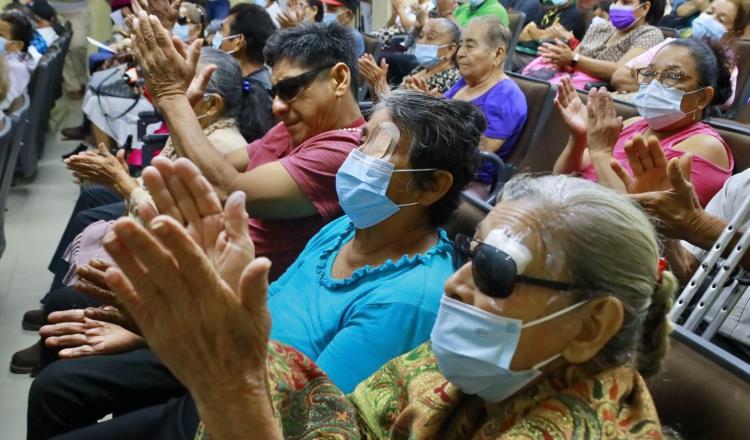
<point x="481" y="57"/>
<point x="191" y="23"/>
<point x="605" y="46"/>
<point x="435" y="52"/>
<point x="724" y="21"/>
<point x="556" y="312"/>
<point x="378" y="268"/>
<point x="685" y="78"/>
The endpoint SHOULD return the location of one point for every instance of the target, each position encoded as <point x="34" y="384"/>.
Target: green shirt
<point x="490" y="7"/>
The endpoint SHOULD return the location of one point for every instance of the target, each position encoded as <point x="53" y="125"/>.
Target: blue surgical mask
<point x="659" y="105"/>
<point x="361" y="184"/>
<point x="427" y="54"/>
<point x="329" y="17"/>
<point x="475" y="3"/>
<point x="2" y="44"/>
<point x="474" y="349"/>
<point x="219" y="40"/>
<point x="181" y="31"/>
<point x="558" y="2"/>
<point x="707" y="26"/>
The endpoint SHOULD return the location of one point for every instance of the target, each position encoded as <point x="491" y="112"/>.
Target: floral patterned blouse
<point x="594" y="43"/>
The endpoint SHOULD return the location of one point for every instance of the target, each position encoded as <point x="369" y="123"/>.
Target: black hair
<point x="445" y="135"/>
<point x="20" y="27"/>
<point x="248" y="102"/>
<point x="321" y="9"/>
<point x="256" y="25"/>
<point x="656" y="12"/>
<point x="316" y="46"/>
<point x="713" y="64"/>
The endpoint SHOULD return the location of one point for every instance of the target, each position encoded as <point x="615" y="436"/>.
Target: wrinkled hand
<point x="165" y="10"/>
<point x="572" y="109"/>
<point x="558" y="53"/>
<point x="603" y="124"/>
<point x="92" y="283"/>
<point x="180" y="191"/>
<point x="100" y="167"/>
<point x="420" y="13"/>
<point x="375" y="75"/>
<point x="209" y="335"/>
<point x="558" y="31"/>
<point x="291" y="17"/>
<point x="168" y="66"/>
<point x="677" y="208"/>
<point x="649" y="165"/>
<point x="420" y="85"/>
<point x="78" y="336"/>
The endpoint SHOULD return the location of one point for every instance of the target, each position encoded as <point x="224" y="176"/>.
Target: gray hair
<point x="605" y="242"/>
<point x="226" y="81"/>
<point x="445" y="135"/>
<point x="452" y="28"/>
<point x="496" y="33"/>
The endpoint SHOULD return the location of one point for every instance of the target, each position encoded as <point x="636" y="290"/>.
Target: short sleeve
<point x="505" y="110"/>
<point x="646" y="37"/>
<point x="646" y="57"/>
<point x="314" y="168"/>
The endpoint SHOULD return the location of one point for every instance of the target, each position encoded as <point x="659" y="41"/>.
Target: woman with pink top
<point x="683" y="80"/>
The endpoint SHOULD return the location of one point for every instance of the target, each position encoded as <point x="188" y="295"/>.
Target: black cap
<point x="42" y="9"/>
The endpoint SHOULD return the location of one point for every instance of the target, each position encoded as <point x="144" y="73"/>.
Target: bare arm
<point x="606" y="69"/>
<point x="682" y="263"/>
<point x="571" y="159"/>
<point x="269" y="189"/>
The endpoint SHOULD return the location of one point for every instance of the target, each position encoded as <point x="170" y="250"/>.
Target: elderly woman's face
<point x="476" y="59"/>
<point x="381" y="138"/>
<point x="515" y="224"/>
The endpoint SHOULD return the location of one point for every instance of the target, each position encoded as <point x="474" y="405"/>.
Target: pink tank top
<point x="706" y="176"/>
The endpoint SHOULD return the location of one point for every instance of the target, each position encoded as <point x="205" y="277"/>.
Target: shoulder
<point x="709" y="146"/>
<point x="648" y="32"/>
<point x="506" y="97"/>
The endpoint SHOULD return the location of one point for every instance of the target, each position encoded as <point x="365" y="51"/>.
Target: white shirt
<point x="48" y="34"/>
<point x="723" y="205"/>
<point x="19" y="75"/>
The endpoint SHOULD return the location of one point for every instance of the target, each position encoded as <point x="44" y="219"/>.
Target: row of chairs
<point x="23" y="128"/>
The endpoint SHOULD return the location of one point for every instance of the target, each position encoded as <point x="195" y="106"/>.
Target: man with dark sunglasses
<point x="288" y="175"/>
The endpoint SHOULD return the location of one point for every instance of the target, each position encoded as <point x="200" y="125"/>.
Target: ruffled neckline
<point x="328" y="256"/>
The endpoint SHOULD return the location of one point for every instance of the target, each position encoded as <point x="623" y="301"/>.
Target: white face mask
<point x="659" y="105"/>
<point x="474" y="349"/>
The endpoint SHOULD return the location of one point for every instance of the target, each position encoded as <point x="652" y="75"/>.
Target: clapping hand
<point x="602" y="123"/>
<point x="375" y="75"/>
<point x="420" y="85"/>
<point x="78" y="335"/>
<point x="649" y="165"/>
<point x="557" y="53"/>
<point x="101" y="167"/>
<point x="165" y="11"/>
<point x="572" y="109"/>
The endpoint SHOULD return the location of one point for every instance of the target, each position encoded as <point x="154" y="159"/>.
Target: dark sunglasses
<point x="289" y="88"/>
<point x="494" y="271"/>
<point x="182" y="20"/>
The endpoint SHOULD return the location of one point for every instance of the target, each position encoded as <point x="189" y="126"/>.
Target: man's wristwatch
<point x="574" y="61"/>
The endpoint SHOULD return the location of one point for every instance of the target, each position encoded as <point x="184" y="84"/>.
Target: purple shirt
<point x="504" y="107"/>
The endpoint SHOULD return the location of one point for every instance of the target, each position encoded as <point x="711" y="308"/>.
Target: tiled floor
<point x="37" y="213"/>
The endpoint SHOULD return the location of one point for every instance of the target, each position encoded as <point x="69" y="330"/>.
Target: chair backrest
<point x="465" y="219"/>
<point x="669" y="32"/>
<point x="737" y="136"/>
<point x="516" y="20"/>
<point x="700" y="392"/>
<point x="373" y="45"/>
<point x="742" y="94"/>
<point x="39" y="91"/>
<point x="6" y="173"/>
<point x="553" y="136"/>
<point x="540" y="96"/>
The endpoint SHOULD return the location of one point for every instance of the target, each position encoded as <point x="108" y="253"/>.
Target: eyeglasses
<point x="288" y="89"/>
<point x="668" y="77"/>
<point x="494" y="271"/>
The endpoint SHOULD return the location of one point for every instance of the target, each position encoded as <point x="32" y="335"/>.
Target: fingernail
<point x="111" y="242"/>
<point x="160" y="227"/>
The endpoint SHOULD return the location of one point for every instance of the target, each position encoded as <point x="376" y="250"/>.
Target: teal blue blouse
<point x="352" y="326"/>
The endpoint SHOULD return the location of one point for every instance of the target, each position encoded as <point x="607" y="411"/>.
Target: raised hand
<point x="168" y="66"/>
<point x="420" y="85"/>
<point x="77" y="335"/>
<point x="179" y="190"/>
<point x="165" y="10"/>
<point x="572" y="109"/>
<point x="646" y="159"/>
<point x="375" y="75"/>
<point x="603" y="125"/>
<point x="677" y="207"/>
<point x="211" y="337"/>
